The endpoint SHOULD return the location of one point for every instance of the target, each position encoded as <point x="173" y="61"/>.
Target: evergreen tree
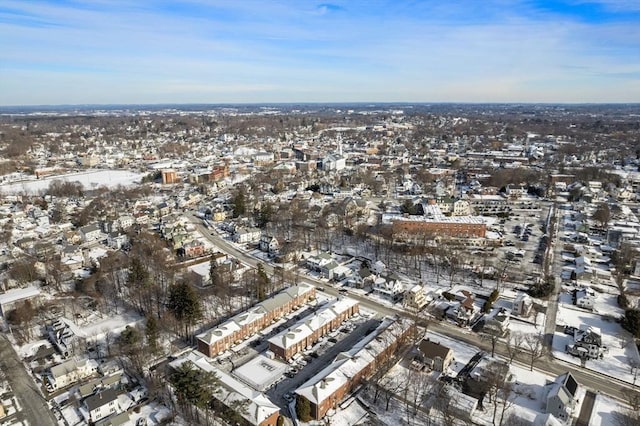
<point x="631" y="321"/>
<point x="152" y="333"/>
<point x="239" y="203"/>
<point x="303" y="409"/>
<point x="265" y="215"/>
<point x="138" y="283"/>
<point x="185" y="305"/>
<point x="129" y="340"/>
<point x="194" y="386"/>
<point x="263" y="283"/>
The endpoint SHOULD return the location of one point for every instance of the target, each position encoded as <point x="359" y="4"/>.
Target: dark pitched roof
<point x="432" y="349"/>
<point x="101" y="398"/>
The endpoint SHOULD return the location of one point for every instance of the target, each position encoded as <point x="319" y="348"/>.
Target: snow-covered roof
<point x="218" y="333"/>
<point x="348" y="364"/>
<point x="257" y="406"/>
<point x="307" y="326"/>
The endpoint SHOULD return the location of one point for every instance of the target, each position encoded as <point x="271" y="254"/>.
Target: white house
<point x="390" y="289"/>
<point x="334" y="162"/>
<point x="461" y="208"/>
<point x="415" y="298"/>
<point x="585" y="298"/>
<point x="69" y="372"/>
<point x="498" y="323"/>
<point x="317" y="262"/>
<point x="268" y="243"/>
<point x="126" y="221"/>
<point x="587" y="343"/>
<point x="90" y="233"/>
<point x="117" y="240"/>
<point x="560" y="396"/>
<point x="522" y="305"/>
<point x="247" y="235"/>
<point x="102" y="405"/>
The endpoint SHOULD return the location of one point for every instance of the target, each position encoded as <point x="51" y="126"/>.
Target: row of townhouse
<point x="326" y="389"/>
<point x="307" y="332"/>
<point x="223" y="337"/>
<point x="255" y="407"/>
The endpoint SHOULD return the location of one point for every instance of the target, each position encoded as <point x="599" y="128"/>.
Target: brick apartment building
<point x="307" y="332"/>
<point x="326" y="389"/>
<point x="223" y="337"/>
<point x="450" y="228"/>
<point x="255" y="407"/>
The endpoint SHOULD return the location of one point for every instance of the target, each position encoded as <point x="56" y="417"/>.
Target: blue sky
<point x="215" y="51"/>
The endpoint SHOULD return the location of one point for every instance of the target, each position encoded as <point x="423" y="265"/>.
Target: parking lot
<point x="325" y="351"/>
<point x="524" y="243"/>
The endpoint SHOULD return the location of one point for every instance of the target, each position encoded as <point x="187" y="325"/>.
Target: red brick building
<point x="453" y="229"/>
<point x="327" y="388"/>
<point x="235" y="330"/>
<point x="307" y="332"/>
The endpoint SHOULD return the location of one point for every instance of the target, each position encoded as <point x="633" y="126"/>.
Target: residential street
<point x="554" y="367"/>
<point x="34" y="407"/>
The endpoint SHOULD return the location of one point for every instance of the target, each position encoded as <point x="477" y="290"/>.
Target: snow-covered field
<point x="89" y="180"/>
<point x="604" y="411"/>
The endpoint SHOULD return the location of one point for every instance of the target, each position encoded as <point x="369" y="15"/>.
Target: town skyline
<point x="124" y="52"/>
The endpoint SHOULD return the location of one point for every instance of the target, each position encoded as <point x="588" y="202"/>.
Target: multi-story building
<point x="326" y="389"/>
<point x="69" y="372"/>
<point x="254" y="407"/>
<point x="415" y="298"/>
<point x="102" y="404"/>
<point x="307" y="332"/>
<point x="219" y="339"/>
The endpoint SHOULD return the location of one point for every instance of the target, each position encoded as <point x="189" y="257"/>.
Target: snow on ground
<point x="607" y="304"/>
<point x="89" y="180"/>
<point x="462" y="353"/>
<point x="621" y="351"/>
<point x="605" y="411"/>
<point x="97" y="329"/>
<point x="30" y="348"/>
<point x="527" y="326"/>
<point x="71" y="415"/>
<point x="528" y="387"/>
<point x="354" y="414"/>
<point x="154" y="413"/>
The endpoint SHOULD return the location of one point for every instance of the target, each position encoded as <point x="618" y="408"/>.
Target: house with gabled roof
<point x="522" y="305"/>
<point x="560" y="396"/>
<point x="69" y="372"/>
<point x="435" y="355"/>
<point x="102" y="404"/>
<point x="587" y="343"/>
<point x="268" y="243"/>
<point x="497" y="322"/>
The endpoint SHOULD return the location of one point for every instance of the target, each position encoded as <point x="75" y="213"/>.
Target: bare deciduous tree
<point x="534" y="345"/>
